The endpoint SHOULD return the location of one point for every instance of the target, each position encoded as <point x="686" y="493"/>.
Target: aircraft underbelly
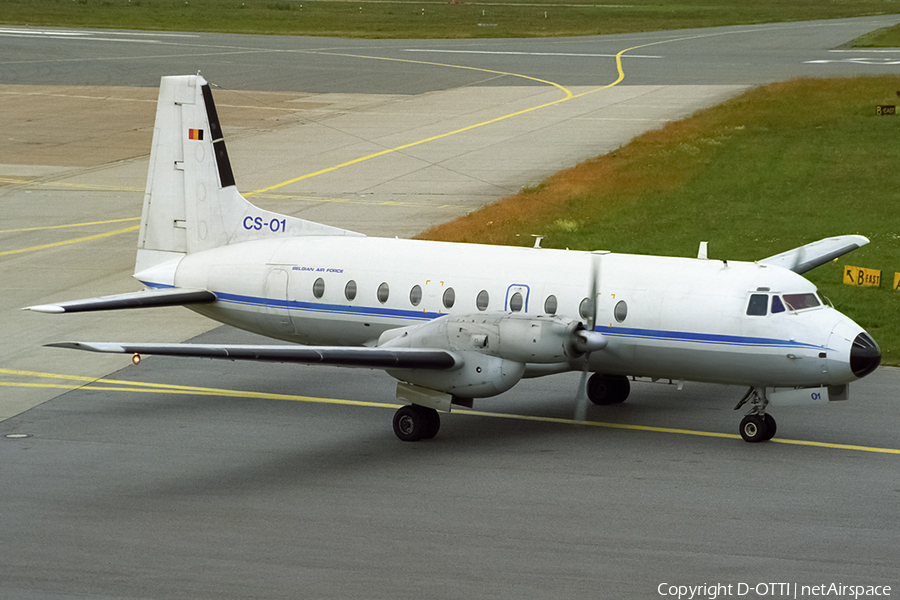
<point x="730" y="363"/>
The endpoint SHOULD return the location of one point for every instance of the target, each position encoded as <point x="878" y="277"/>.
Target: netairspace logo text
<point x="713" y="591"/>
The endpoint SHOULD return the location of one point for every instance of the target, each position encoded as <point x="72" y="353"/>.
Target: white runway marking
<point x="857" y="61"/>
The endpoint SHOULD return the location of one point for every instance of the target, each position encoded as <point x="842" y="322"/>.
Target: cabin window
<point x="319" y="288"/>
<point x="482" y="300"/>
<point x="550" y="305"/>
<point x="415" y="295"/>
<point x="449" y="298"/>
<point x="620" y="311"/>
<point x="586" y="309"/>
<point x="350" y="290"/>
<point x="516" y="302"/>
<point x="801" y="301"/>
<point x="759" y="305"/>
<point x="384" y="292"/>
<point x="777" y="305"/>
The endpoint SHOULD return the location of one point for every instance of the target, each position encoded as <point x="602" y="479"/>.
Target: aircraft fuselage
<point x="664" y="317"/>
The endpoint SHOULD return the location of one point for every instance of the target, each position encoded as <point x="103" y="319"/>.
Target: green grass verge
<point x="889" y="37"/>
<point x="432" y="19"/>
<point x="773" y="169"/>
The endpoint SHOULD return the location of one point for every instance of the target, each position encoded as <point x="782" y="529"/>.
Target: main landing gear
<point x="413" y="423"/>
<point x="608" y="389"/>
<point x="758" y="425"/>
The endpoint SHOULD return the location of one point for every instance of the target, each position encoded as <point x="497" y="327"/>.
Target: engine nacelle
<point x="495" y="349"/>
<point x="479" y="376"/>
<point x="521" y="338"/>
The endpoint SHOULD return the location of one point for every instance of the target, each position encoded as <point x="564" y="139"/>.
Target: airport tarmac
<point x="124" y="489"/>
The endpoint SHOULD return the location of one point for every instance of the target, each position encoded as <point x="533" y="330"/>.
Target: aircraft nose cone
<point x="865" y="356"/>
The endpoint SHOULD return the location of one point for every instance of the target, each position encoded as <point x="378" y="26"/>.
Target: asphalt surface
<point x="260" y="482"/>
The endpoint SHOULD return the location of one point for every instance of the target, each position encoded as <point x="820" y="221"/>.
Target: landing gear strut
<point x="608" y="389"/>
<point x="757" y="426"/>
<point x="413" y="423"/>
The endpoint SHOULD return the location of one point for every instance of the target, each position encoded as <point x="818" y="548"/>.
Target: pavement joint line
<point x="349" y="201"/>
<point x="289" y="109"/>
<point x="163" y="388"/>
<point x="440" y="51"/>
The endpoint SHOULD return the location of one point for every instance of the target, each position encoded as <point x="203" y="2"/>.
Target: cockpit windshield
<point x="759" y="303"/>
<point x="801" y="301"/>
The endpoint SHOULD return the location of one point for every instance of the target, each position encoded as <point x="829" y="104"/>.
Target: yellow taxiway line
<point x="69" y="225"/>
<point x="72" y="241"/>
<point x="119" y="385"/>
<point x="567" y="95"/>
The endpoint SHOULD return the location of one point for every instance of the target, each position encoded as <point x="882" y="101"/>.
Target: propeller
<point x="588" y="340"/>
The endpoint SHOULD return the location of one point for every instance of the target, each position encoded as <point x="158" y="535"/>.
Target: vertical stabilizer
<point x="191" y="202"/>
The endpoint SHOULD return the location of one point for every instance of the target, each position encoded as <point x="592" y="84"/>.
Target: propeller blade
<point x="581" y="399"/>
<point x="594" y="290"/>
<point x="588" y="340"/>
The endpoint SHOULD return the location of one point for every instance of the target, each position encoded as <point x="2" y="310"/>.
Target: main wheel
<point x="413" y="423"/>
<point x="771" y="426"/>
<point x="409" y="424"/>
<point x="434" y="423"/>
<point x="608" y="389"/>
<point x="754" y="429"/>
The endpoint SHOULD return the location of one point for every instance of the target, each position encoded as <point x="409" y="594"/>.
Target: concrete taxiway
<point x="129" y="488"/>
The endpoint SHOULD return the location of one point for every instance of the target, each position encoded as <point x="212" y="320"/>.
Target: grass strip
<point x="770" y="170"/>
<point x="429" y="19"/>
<point x="889" y="37"/>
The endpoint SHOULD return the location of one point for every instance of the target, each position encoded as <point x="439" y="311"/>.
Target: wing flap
<point x="808" y="257"/>
<point x="145" y="299"/>
<point x="342" y="356"/>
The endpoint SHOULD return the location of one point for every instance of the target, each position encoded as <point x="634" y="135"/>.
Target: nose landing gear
<point x="757" y="426"/>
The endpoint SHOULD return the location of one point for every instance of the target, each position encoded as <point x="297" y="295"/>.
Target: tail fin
<point x="191" y="202"/>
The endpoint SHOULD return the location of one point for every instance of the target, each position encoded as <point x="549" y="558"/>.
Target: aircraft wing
<point x="144" y="299"/>
<point x="810" y="256"/>
<point x="342" y="356"/>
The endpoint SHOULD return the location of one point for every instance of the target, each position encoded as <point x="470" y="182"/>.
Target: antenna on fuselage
<point x="702" y="253"/>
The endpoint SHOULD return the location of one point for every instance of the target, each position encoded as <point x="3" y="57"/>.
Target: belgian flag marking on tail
<point x="195" y="134"/>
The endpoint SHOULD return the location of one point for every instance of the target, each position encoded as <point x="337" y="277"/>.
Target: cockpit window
<point x="777" y="306"/>
<point x="801" y="301"/>
<point x="759" y="305"/>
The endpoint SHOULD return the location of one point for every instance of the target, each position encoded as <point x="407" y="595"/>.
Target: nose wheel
<point x="758" y="428"/>
<point x="758" y="425"/>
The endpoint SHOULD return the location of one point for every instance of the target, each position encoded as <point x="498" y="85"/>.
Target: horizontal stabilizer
<point x="341" y="356"/>
<point x="145" y="299"/>
<point x="810" y="256"/>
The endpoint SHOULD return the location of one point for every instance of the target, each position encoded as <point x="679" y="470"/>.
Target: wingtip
<point x="89" y="346"/>
<point x="72" y="345"/>
<point x="46" y="308"/>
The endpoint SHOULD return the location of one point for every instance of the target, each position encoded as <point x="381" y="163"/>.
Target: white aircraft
<point x="453" y="322"/>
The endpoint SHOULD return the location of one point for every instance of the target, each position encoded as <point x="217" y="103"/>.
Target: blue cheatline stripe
<point x="340" y="309"/>
<point x="702" y="338"/>
<point x="412" y="315"/>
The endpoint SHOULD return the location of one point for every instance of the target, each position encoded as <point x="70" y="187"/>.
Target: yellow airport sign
<point x="896" y="281"/>
<point x="862" y="276"/>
